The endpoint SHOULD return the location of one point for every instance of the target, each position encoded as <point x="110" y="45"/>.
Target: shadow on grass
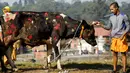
<point x="77" y="66"/>
<point x="29" y="67"/>
<point x="84" y="66"/>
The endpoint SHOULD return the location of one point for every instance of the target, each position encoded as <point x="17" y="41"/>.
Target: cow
<point x="33" y="28"/>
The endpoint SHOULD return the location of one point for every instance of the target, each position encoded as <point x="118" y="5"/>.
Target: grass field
<point x="102" y="65"/>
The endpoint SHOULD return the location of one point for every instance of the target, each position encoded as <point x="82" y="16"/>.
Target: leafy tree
<point x="31" y="2"/>
<point x="20" y="2"/>
<point x="108" y="2"/>
<point x="16" y="6"/>
<point x="125" y="8"/>
<point x="94" y="10"/>
<point x="25" y="2"/>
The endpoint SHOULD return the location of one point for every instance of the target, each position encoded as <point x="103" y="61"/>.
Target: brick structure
<point x="99" y="31"/>
<point x="40" y="52"/>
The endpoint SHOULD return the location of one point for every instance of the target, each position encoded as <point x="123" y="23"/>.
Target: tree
<point x="16" y="6"/>
<point x="108" y="2"/>
<point x="25" y="2"/>
<point x="45" y="5"/>
<point x="31" y="2"/>
<point x="94" y="10"/>
<point x="20" y="2"/>
<point x="125" y="8"/>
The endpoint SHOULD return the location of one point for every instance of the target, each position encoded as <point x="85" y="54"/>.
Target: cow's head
<point x="88" y="33"/>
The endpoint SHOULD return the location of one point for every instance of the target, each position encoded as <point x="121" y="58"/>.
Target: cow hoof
<point x="15" y="69"/>
<point x="49" y="65"/>
<point x="45" y="67"/>
<point x="59" y="65"/>
<point x="59" y="68"/>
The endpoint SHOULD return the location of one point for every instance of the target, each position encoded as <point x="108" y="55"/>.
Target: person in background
<point x="119" y="25"/>
<point x="7" y="15"/>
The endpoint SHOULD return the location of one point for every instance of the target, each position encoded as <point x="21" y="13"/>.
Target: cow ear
<point x="84" y="22"/>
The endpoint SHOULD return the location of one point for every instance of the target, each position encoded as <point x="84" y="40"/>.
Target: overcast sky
<point x="11" y="1"/>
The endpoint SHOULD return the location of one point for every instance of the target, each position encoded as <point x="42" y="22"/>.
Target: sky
<point x="12" y="1"/>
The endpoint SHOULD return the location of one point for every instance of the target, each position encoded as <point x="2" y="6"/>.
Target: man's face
<point x="113" y="9"/>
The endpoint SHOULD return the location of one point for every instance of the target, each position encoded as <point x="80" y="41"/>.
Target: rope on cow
<point x="67" y="44"/>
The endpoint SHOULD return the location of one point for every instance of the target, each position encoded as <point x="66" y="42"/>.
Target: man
<point x="119" y="25"/>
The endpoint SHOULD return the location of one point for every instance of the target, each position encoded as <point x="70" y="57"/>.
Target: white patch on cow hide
<point x="72" y="30"/>
<point x="49" y="58"/>
<point x="32" y="22"/>
<point x="63" y="15"/>
<point x="66" y="22"/>
<point x="54" y="20"/>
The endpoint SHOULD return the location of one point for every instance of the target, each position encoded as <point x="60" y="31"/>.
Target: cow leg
<point x="55" y="39"/>
<point x="11" y="62"/>
<point x="49" y="54"/>
<point x="58" y="59"/>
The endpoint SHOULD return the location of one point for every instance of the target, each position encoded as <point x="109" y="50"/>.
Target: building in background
<point x="102" y="36"/>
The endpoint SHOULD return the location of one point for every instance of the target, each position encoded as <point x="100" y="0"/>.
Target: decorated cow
<point x="34" y="28"/>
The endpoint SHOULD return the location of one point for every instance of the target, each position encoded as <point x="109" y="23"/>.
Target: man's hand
<point x="97" y="23"/>
<point x="123" y="36"/>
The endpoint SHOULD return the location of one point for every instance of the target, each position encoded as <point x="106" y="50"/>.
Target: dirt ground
<point x="103" y="65"/>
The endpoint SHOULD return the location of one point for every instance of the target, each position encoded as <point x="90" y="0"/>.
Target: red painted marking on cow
<point x="58" y="17"/>
<point x="30" y="37"/>
<point x="12" y="26"/>
<point x="9" y="32"/>
<point x="55" y="38"/>
<point x="46" y="14"/>
<point x="29" y="19"/>
<point x="57" y="27"/>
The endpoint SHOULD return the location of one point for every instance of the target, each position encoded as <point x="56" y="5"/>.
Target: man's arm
<point x="105" y="25"/>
